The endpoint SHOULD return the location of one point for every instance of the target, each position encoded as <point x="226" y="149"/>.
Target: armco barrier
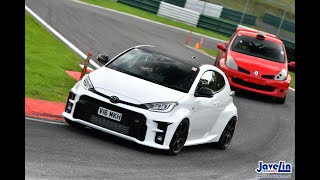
<point x="236" y="16"/>
<point x="180" y="3"/>
<point x="288" y="43"/>
<point x="205" y="8"/>
<point x="148" y="5"/>
<point x="178" y="13"/>
<point x="217" y="25"/>
<point x="275" y="21"/>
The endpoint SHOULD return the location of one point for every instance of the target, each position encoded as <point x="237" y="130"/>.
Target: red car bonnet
<point x="252" y="64"/>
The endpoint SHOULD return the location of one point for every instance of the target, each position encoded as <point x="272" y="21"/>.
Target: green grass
<point x="211" y="52"/>
<point x="145" y="14"/>
<point x="46" y="59"/>
<point x="293" y="79"/>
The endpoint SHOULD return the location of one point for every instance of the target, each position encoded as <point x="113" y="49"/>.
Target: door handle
<point x="215" y="102"/>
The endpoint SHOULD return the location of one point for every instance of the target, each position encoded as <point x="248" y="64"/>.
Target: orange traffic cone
<point x="201" y="42"/>
<point x="197" y="46"/>
<point x="188" y="37"/>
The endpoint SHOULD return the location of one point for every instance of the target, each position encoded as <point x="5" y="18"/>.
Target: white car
<point x="155" y="100"/>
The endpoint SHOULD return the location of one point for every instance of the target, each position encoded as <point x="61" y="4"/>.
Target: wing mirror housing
<point x="292" y="64"/>
<point x="221" y="47"/>
<point x="102" y="58"/>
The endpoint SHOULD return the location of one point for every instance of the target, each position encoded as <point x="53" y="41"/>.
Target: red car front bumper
<point x="259" y="85"/>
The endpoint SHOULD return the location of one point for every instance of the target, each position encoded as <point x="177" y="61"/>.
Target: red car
<point x="256" y="61"/>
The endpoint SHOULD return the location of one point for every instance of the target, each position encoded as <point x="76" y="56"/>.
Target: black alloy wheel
<point x="227" y="134"/>
<point x="179" y="138"/>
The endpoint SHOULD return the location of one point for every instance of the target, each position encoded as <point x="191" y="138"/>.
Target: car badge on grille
<point x="114" y="99"/>
<point x="256" y="73"/>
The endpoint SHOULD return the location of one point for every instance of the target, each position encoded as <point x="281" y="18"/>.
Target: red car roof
<point x="253" y="33"/>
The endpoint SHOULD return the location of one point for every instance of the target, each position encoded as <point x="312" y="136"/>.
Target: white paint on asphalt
<point x="56" y="33"/>
<point x="45" y="121"/>
<point x="292" y="89"/>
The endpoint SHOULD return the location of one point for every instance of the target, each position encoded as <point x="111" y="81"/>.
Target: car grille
<point x="243" y="70"/>
<point x="109" y="124"/>
<point x="253" y="85"/>
<point x="268" y="76"/>
<point x="132" y="124"/>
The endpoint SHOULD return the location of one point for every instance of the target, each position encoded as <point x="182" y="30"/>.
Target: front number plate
<point x="109" y="114"/>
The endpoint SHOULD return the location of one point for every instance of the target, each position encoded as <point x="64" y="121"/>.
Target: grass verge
<point x="147" y="15"/>
<point x="46" y="59"/>
<point x="211" y="52"/>
<point x="293" y="79"/>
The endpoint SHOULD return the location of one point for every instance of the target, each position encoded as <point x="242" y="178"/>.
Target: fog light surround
<point x="69" y="104"/>
<point x="69" y="107"/>
<point x="160" y="136"/>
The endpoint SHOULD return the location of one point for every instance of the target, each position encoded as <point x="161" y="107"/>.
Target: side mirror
<point x="221" y="47"/>
<point x="104" y="59"/>
<point x="204" y="92"/>
<point x="292" y="64"/>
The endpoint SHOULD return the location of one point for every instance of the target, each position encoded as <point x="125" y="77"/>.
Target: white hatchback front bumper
<point x="152" y="120"/>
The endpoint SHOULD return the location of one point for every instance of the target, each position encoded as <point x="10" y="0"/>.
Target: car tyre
<point x="227" y="134"/>
<point x="281" y="100"/>
<point x="179" y="138"/>
<point x="74" y="124"/>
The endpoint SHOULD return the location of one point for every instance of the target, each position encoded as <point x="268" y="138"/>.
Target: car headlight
<point x="231" y="63"/>
<point x="282" y="75"/>
<point x="161" y="106"/>
<point x="86" y="83"/>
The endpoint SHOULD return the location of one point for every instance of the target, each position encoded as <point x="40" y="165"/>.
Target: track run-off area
<point x="265" y="130"/>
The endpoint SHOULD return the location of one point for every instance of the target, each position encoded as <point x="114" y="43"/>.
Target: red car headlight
<point x="231" y="63"/>
<point x="282" y="75"/>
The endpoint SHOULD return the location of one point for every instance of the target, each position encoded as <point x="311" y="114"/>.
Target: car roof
<point x="187" y="60"/>
<point x="254" y="33"/>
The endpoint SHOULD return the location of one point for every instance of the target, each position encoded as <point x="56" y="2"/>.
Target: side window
<point x="212" y="80"/>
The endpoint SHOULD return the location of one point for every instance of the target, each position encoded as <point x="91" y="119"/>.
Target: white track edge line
<point x="202" y="35"/>
<point x="56" y="33"/>
<point x="45" y="121"/>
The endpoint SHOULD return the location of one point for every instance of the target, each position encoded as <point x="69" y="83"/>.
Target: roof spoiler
<point x="256" y="31"/>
